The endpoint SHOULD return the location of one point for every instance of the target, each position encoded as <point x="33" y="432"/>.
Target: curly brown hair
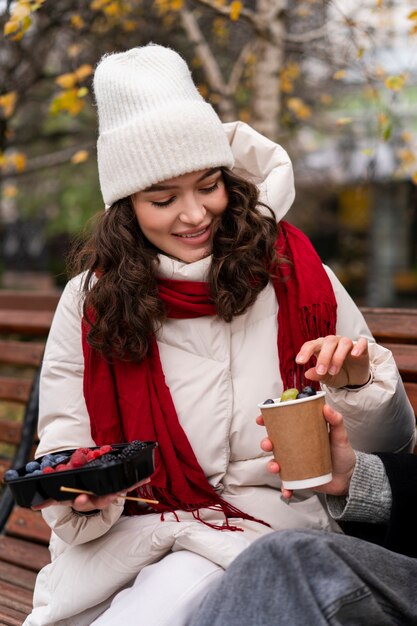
<point x="125" y="300"/>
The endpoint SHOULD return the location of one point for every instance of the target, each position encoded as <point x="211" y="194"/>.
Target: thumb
<point x="338" y="433"/>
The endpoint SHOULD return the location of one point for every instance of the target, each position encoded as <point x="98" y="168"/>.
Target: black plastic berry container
<point x="100" y="478"/>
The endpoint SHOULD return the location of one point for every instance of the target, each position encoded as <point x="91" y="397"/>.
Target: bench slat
<point x="392" y="325"/>
<point x="18" y="551"/>
<point x="406" y="358"/>
<point x="10" y="432"/>
<point x="15" y="598"/>
<point x="28" y="524"/>
<point x="14" y="389"/>
<point x="18" y="353"/>
<point x="29" y="300"/>
<point x="11" y="617"/>
<point x="17" y="576"/>
<point x="17" y="321"/>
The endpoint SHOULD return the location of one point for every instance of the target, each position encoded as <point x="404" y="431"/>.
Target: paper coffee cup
<point x="299" y="434"/>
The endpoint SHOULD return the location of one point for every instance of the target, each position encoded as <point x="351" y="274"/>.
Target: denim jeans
<point x="312" y="578"/>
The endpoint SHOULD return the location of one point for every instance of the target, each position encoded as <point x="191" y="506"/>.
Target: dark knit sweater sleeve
<point x="401" y="534"/>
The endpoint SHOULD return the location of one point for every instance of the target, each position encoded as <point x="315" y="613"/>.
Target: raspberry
<point x="48" y="470"/>
<point x="78" y="459"/>
<point x="105" y="449"/>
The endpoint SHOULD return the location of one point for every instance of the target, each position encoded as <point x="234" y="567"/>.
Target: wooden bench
<point x="24" y="323"/>
<point x="25" y="319"/>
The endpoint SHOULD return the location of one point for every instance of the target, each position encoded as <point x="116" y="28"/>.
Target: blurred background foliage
<point x="335" y="82"/>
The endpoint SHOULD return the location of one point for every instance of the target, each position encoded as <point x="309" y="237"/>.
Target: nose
<point x="192" y="210"/>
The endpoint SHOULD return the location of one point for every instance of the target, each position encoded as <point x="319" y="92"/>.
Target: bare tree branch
<point x="48" y="160"/>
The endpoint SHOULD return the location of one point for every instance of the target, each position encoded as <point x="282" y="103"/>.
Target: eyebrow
<point x="162" y="187"/>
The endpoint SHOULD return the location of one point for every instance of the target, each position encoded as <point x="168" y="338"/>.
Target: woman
<point x="191" y="308"/>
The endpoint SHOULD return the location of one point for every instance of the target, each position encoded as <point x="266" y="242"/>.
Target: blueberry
<point x="11" y="474"/>
<point x="269" y="401"/>
<point x="37" y="472"/>
<point x="60" y="458"/>
<point x="32" y="466"/>
<point x="309" y="390"/>
<point x="302" y="394"/>
<point x="47" y="461"/>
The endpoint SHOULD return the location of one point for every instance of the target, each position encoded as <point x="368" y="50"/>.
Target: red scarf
<point x="129" y="401"/>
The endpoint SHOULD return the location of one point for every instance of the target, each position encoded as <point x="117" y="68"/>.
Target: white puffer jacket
<point x="217" y="374"/>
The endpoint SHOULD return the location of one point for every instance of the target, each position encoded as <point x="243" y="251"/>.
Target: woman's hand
<point x="340" y="361"/>
<point x="84" y="503"/>
<point x="343" y="456"/>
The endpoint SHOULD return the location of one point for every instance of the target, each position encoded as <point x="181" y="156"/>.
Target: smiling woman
<point x="188" y="306"/>
<point x="178" y="215"/>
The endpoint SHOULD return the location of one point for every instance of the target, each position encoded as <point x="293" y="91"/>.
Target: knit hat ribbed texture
<point x="153" y="122"/>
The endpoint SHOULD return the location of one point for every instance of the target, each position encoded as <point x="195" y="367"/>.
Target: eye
<point x="163" y="203"/>
<point x="212" y="187"/>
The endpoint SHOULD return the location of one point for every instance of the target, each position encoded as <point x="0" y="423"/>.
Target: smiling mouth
<point x="191" y="236"/>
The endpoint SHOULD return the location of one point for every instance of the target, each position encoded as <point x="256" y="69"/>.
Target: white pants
<point x="165" y="593"/>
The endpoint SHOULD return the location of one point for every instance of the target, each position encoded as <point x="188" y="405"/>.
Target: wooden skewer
<point x="90" y="493"/>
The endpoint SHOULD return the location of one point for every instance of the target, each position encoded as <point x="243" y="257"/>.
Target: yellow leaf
<point x="11" y="27"/>
<point x="406" y="156"/>
<point x="77" y="22"/>
<point x="344" y="121"/>
<point x="412" y="15"/>
<point x="406" y="136"/>
<point x="82" y="92"/>
<point x="360" y="53"/>
<point x="339" y="74"/>
<point x="235" y="11"/>
<point x="326" y="98"/>
<point x="67" y="101"/>
<point x="112" y="9"/>
<point x="368" y="151"/>
<point x="395" y="83"/>
<point x="9" y="191"/>
<point x="177" y="5"/>
<point x="414" y="178"/>
<point x="379" y="3"/>
<point x="130" y="25"/>
<point x="83" y="71"/>
<point x="299" y="108"/>
<point x="79" y="157"/>
<point x="66" y="81"/>
<point x="74" y="50"/>
<point x="20" y="11"/>
<point x="8" y="102"/>
<point x="18" y="160"/>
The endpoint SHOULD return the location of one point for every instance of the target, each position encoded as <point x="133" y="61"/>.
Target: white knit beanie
<point x="153" y="123"/>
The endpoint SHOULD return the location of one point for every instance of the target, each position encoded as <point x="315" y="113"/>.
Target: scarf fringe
<point x="169" y="504"/>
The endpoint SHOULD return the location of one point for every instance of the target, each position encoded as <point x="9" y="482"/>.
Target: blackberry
<point x="105" y="459"/>
<point x="131" y="449"/>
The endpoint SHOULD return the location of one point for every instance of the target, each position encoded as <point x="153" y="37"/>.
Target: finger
<point x="324" y="357"/>
<point x="343" y="348"/>
<point x="273" y="467"/>
<point x="266" y="445"/>
<point x="260" y="420"/>
<point x="286" y="493"/>
<point x="308" y="349"/>
<point x="338" y="431"/>
<point x="361" y="348"/>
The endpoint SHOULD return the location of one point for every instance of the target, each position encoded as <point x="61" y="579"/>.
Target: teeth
<point x="200" y="232"/>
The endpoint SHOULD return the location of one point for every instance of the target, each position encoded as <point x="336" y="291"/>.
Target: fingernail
<point x="299" y="358"/>
<point x="332" y="371"/>
<point x="321" y="369"/>
<point x="355" y="352"/>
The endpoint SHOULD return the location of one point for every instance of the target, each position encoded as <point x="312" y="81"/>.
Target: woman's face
<point x="177" y="215"/>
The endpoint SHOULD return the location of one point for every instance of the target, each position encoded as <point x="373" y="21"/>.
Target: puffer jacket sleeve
<point x="63" y="418"/>
<point x="378" y="416"/>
